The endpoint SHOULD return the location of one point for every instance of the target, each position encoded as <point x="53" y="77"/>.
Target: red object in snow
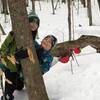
<point x="77" y="50"/>
<point x="64" y="59"/>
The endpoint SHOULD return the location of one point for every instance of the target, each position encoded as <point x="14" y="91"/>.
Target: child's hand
<point x="1" y="74"/>
<point x="12" y="59"/>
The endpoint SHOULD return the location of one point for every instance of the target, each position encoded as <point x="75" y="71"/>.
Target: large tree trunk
<point x="60" y="49"/>
<point x="89" y="10"/>
<point x="20" y="25"/>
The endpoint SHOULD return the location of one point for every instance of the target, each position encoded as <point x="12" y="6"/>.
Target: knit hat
<point x="53" y="39"/>
<point x="34" y="18"/>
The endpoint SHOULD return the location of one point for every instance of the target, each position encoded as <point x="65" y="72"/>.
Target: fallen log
<point x="60" y="49"/>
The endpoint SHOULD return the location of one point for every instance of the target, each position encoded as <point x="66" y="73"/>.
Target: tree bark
<point x="69" y="18"/>
<point x="20" y="25"/>
<point x="60" y="49"/>
<point x="89" y="10"/>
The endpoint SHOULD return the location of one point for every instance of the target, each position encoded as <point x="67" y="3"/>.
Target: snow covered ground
<point x="60" y="83"/>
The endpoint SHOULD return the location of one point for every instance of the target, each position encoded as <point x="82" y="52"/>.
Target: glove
<point x="77" y="50"/>
<point x="64" y="59"/>
<point x="12" y="59"/>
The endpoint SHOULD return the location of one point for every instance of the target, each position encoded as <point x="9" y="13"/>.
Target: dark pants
<point x="17" y="84"/>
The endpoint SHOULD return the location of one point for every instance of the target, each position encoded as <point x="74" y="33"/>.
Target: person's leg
<point x="19" y="77"/>
<point x="19" y="83"/>
<point x="10" y="88"/>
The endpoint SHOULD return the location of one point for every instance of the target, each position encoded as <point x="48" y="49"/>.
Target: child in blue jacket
<point x="43" y="52"/>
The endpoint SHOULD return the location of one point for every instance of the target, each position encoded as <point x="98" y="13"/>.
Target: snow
<point x="61" y="84"/>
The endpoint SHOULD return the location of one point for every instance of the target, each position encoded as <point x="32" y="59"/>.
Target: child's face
<point x="33" y="26"/>
<point x="46" y="43"/>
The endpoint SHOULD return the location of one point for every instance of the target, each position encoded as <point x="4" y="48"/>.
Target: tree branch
<point x="60" y="49"/>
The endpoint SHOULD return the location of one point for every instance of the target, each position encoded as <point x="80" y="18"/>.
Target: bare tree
<point x="89" y="10"/>
<point x="98" y="3"/>
<point x="33" y="6"/>
<point x="69" y="18"/>
<point x="63" y="1"/>
<point x="52" y="1"/>
<point x="39" y="5"/>
<point x="83" y="2"/>
<point x="58" y="1"/>
<point x="23" y="37"/>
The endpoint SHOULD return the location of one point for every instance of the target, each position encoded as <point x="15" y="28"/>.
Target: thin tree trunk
<point x="63" y="1"/>
<point x="33" y="6"/>
<point x="78" y="7"/>
<point x="52" y="1"/>
<point x="39" y="5"/>
<point x="83" y="2"/>
<point x="89" y="10"/>
<point x="98" y="3"/>
<point x="4" y="5"/>
<point x="33" y="76"/>
<point x="60" y="49"/>
<point x="69" y="18"/>
<point x="58" y="1"/>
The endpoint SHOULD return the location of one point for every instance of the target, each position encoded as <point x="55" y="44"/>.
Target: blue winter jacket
<point x="45" y="58"/>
